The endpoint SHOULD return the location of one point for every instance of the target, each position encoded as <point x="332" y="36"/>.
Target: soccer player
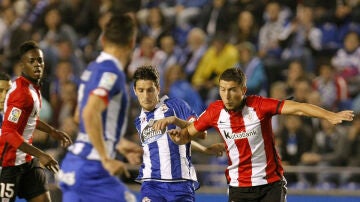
<point x="89" y="167"/>
<point x="21" y="173"/>
<point x="166" y="173"/>
<point x="255" y="172"/>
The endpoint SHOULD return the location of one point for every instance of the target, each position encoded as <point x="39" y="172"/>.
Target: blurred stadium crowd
<point x="306" y="49"/>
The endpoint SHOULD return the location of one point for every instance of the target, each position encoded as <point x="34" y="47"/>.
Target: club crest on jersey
<point x="14" y="115"/>
<point x="146" y="199"/>
<point x="163" y="108"/>
<point x="142" y="119"/>
<point x="149" y="135"/>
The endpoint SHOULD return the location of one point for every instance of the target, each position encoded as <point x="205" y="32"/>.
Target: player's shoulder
<point x="173" y="100"/>
<point x="104" y="66"/>
<point x="107" y="62"/>
<point x="252" y="99"/>
<point x="177" y="103"/>
<point x="216" y="104"/>
<point x="19" y="91"/>
<point x="256" y="101"/>
<point x="21" y="86"/>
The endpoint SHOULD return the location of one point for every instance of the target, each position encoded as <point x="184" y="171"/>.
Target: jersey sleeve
<point x="104" y="85"/>
<point x="270" y="106"/>
<point x="18" y="110"/>
<point x="205" y="120"/>
<point x="183" y="110"/>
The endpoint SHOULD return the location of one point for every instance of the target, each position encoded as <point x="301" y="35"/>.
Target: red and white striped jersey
<point x="22" y="107"/>
<point x="253" y="159"/>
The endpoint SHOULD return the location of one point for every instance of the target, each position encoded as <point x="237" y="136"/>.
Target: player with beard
<point x="255" y="172"/>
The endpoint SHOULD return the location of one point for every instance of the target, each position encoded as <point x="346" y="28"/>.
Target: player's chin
<point x="229" y="106"/>
<point x="37" y="76"/>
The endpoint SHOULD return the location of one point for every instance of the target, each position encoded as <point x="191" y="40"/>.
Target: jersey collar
<point x="161" y="102"/>
<point x="27" y="78"/>
<point x="106" y="56"/>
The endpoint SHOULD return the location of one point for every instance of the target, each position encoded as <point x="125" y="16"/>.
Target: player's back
<point x="103" y="78"/>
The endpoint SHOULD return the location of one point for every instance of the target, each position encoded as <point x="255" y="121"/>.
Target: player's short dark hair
<point x="234" y="74"/>
<point x="27" y="46"/>
<point x="120" y="29"/>
<point x="147" y="73"/>
<point x="4" y="76"/>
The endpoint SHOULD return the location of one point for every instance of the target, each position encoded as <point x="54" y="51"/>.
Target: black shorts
<point x="27" y="181"/>
<point x="275" y="191"/>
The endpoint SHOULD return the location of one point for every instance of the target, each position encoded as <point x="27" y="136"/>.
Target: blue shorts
<point x="87" y="180"/>
<point x="168" y="191"/>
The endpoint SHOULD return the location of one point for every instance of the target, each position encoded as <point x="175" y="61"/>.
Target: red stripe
<point x="104" y="97"/>
<point x="244" y="169"/>
<point x="22" y="99"/>
<point x="228" y="178"/>
<point x="273" y="166"/>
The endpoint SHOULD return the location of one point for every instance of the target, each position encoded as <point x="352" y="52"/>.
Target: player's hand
<point x="132" y="151"/>
<point x="115" y="167"/>
<point x="134" y="158"/>
<point x="162" y="123"/>
<point x="310" y="158"/>
<point x="346" y="115"/>
<point x="215" y="149"/>
<point x="49" y="162"/>
<point x="61" y="136"/>
<point x="177" y="138"/>
<point x="132" y="154"/>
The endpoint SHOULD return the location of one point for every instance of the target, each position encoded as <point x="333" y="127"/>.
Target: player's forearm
<point x="44" y="127"/>
<point x="93" y="128"/>
<point x="29" y="149"/>
<point x="197" y="147"/>
<point x="180" y="123"/>
<point x="314" y="111"/>
<point x="76" y="115"/>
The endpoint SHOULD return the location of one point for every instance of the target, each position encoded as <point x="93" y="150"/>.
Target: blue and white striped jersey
<point x="105" y="78"/>
<point x="163" y="160"/>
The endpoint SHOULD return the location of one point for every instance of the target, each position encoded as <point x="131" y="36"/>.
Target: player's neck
<point x="238" y="108"/>
<point x="122" y="54"/>
<point x="32" y="80"/>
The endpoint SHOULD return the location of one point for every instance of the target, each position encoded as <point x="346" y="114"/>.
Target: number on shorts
<point x="7" y="190"/>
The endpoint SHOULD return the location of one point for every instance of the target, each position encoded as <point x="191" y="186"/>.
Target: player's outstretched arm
<point x="184" y="135"/>
<point x="304" y="109"/>
<point x="45" y="159"/>
<point x="161" y="124"/>
<point x="61" y="136"/>
<point x="214" y="149"/>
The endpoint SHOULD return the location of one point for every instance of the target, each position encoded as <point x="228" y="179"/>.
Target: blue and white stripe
<point x="163" y="160"/>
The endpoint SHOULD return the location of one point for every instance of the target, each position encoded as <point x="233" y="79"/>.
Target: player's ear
<point x="102" y="39"/>
<point x="134" y="90"/>
<point x="244" y="89"/>
<point x="133" y="42"/>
